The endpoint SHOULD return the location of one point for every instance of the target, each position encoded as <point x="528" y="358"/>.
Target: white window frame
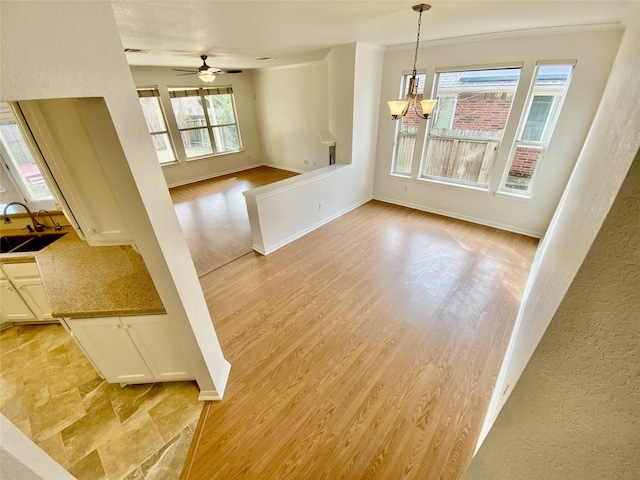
<point x="559" y="94"/>
<point x="145" y="92"/>
<point x="16" y="187"/>
<point x="202" y="92"/>
<point x="429" y="136"/>
<point x="397" y="138"/>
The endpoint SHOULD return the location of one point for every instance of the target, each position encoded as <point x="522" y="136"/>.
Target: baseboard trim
<point x="209" y="396"/>
<point x="217" y="393"/>
<point x="215" y="175"/>
<point x="466" y="218"/>
<point x="302" y="233"/>
<point x="288" y="169"/>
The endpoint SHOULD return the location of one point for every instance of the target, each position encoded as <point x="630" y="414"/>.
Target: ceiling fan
<point x="205" y="72"/>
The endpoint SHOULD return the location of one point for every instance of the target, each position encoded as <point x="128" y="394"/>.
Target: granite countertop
<point x="83" y="281"/>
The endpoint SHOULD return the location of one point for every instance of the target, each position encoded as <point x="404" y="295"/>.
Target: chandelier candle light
<point x="399" y="108"/>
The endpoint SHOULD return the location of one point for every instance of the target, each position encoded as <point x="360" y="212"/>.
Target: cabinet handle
<point x="126" y="326"/>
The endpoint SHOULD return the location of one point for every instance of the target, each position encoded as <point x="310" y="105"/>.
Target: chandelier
<point x="399" y="108"/>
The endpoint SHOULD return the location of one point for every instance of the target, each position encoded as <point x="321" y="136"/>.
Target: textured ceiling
<point x="235" y="34"/>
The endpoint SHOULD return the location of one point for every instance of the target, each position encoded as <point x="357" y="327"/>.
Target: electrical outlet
<point x="320" y="206"/>
<point x="306" y="162"/>
<point x="406" y="189"/>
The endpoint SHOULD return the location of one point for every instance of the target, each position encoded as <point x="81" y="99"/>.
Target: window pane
<point x="538" y="114"/>
<point x="188" y="112"/>
<point x="16" y="152"/>
<point x="196" y="142"/>
<point x="163" y="148"/>
<point x="444" y="112"/>
<point x="153" y="114"/>
<point x="546" y="95"/>
<point x="220" y="109"/>
<point x="471" y="116"/>
<point x="523" y="166"/>
<point x="226" y="139"/>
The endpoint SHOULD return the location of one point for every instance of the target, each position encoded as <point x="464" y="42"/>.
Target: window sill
<point x="523" y="197"/>
<point x="400" y="177"/>
<point x="213" y="155"/>
<point x="455" y="186"/>
<point x="167" y="164"/>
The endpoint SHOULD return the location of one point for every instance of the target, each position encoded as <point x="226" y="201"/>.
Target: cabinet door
<point x="108" y="344"/>
<point x="156" y="340"/>
<point x="12" y="307"/>
<point x="78" y="140"/>
<point x="26" y="278"/>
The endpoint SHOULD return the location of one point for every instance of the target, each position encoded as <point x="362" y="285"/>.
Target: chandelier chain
<point x="415" y="57"/>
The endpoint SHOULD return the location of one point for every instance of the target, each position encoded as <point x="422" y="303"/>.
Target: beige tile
<point x="29" y="333"/>
<point x="177" y="410"/>
<point x="62" y="380"/>
<point x="98" y="390"/>
<point x="168" y="462"/>
<point x="19" y="401"/>
<point x="74" y="352"/>
<point x="90" y="431"/>
<point x="21" y="357"/>
<point x="120" y="456"/>
<point x="57" y="414"/>
<point x="94" y="392"/>
<point x="8" y="340"/>
<point x="135" y="475"/>
<point x="52" y="393"/>
<point x="54" y="447"/>
<point x="52" y="336"/>
<point x="56" y="359"/>
<point x="137" y="398"/>
<point x="89" y="468"/>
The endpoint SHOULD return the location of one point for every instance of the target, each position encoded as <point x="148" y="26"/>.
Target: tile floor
<point x="94" y="429"/>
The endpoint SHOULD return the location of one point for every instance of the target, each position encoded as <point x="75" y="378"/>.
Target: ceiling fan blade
<point x="229" y="71"/>
<point x="183" y="70"/>
<point x="183" y="74"/>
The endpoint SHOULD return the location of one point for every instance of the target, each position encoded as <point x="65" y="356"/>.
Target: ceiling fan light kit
<point x="399" y="108"/>
<point x="205" y="73"/>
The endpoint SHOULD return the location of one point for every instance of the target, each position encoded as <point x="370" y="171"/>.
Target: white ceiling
<point x="235" y="34"/>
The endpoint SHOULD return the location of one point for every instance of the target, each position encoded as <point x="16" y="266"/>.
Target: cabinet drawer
<point x="21" y="270"/>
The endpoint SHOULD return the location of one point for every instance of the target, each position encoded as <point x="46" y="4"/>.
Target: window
<point x="407" y="131"/>
<point x="547" y="93"/>
<point x="471" y="116"/>
<point x="150" y="102"/>
<point x="20" y="179"/>
<point x="206" y="120"/>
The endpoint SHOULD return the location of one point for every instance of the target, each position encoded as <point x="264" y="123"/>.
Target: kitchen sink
<point x="33" y="242"/>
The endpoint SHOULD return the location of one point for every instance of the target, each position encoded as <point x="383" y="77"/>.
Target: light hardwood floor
<point x="213" y="215"/>
<point x="366" y="349"/>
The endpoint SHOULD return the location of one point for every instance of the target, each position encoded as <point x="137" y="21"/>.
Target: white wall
<point x="283" y="211"/>
<point x="185" y="171"/>
<point x="574" y="413"/>
<point x="610" y="148"/>
<point x="292" y="106"/>
<point x="79" y="53"/>
<point x="594" y="52"/>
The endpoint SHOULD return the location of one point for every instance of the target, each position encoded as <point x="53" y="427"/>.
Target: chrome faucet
<point x="36" y="224"/>
<point x="56" y="225"/>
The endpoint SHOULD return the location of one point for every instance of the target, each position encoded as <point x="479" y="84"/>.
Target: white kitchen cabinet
<point x="26" y="279"/>
<point x="12" y="307"/>
<point x="133" y="349"/>
<point x="77" y="142"/>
